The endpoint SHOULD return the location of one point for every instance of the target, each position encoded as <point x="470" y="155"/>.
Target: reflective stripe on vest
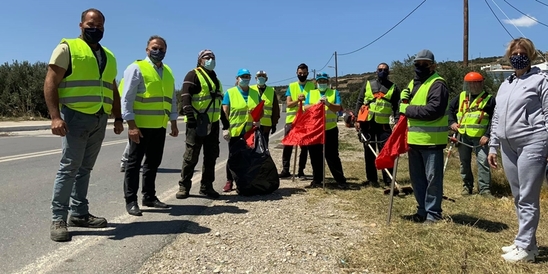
<point x="239" y="117"/>
<point x="153" y="107"/>
<point x="268" y="97"/>
<point x="423" y="132"/>
<point x="330" y="116"/>
<point x="295" y="90"/>
<point x="469" y="115"/>
<point x="380" y="109"/>
<point x="86" y="90"/>
<point x="201" y="100"/>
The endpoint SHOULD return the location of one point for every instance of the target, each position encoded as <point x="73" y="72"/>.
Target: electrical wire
<point x="508" y="18"/>
<point x="530" y="17"/>
<point x="494" y="14"/>
<point x="541" y="3"/>
<point x="327" y="63"/>
<point x="378" y="38"/>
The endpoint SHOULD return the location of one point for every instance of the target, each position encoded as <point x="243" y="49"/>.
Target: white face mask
<point x="322" y="87"/>
<point x="261" y="81"/>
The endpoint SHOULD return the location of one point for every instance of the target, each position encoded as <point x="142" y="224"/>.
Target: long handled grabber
<point x="398" y="189"/>
<point x="453" y="141"/>
<point x="295" y="163"/>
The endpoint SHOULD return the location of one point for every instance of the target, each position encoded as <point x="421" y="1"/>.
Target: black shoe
<point x="415" y="218"/>
<point x="343" y="185"/>
<point x="302" y="176"/>
<point x="314" y="184"/>
<point x="284" y="174"/>
<point x="375" y="183"/>
<point x="133" y="209"/>
<point x="210" y="192"/>
<point x="154" y="203"/>
<point x="87" y="221"/>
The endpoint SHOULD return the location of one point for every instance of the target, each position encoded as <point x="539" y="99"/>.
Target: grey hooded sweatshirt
<point x="521" y="112"/>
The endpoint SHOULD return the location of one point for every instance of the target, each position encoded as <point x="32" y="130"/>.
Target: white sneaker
<point x="512" y="247"/>
<point x="519" y="255"/>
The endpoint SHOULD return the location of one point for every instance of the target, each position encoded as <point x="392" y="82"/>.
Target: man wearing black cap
<point x="271" y="105"/>
<point x="201" y="106"/>
<point x="425" y="103"/>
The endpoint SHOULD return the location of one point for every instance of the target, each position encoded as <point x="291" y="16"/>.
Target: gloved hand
<point x="404" y="96"/>
<point x="403" y="108"/>
<point x="191" y="121"/>
<point x="226" y="135"/>
<point x="325" y="101"/>
<point x="273" y="130"/>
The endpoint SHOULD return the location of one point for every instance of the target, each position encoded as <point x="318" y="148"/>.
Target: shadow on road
<point x="169" y="170"/>
<point x="276" y="195"/>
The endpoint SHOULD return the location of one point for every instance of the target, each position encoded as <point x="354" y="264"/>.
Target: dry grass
<point x="468" y="240"/>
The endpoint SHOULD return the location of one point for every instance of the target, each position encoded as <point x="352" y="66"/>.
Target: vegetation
<point x="467" y="240"/>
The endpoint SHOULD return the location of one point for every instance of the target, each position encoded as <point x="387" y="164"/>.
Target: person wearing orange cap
<point x="470" y="115"/>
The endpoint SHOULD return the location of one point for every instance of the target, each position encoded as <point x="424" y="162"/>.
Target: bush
<point x="21" y="89"/>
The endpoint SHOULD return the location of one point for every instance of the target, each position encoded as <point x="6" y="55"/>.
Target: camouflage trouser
<point x="194" y="144"/>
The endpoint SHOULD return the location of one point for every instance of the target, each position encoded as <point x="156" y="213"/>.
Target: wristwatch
<point x="118" y="120"/>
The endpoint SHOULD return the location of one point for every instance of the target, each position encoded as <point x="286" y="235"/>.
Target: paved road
<point x="28" y="163"/>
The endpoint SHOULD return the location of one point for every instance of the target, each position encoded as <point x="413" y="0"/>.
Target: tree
<point x="21" y="89"/>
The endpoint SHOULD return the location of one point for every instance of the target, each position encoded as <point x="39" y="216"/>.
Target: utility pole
<point x="336" y="73"/>
<point x="465" y="42"/>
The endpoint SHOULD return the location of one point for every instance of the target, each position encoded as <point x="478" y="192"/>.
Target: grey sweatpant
<point x="524" y="166"/>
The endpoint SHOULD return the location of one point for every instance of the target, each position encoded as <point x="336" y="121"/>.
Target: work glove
<point x="405" y="95"/>
<point x="273" y="130"/>
<point x="191" y="121"/>
<point x="403" y="107"/>
<point x="226" y="135"/>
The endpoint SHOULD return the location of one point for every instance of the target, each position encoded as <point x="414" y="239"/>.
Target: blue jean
<point x="81" y="147"/>
<point x="484" y="172"/>
<point x="426" y="172"/>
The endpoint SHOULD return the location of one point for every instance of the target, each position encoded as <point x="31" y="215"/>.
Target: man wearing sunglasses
<point x="425" y="103"/>
<point x="381" y="97"/>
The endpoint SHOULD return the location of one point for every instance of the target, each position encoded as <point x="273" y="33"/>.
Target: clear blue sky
<point x="271" y="35"/>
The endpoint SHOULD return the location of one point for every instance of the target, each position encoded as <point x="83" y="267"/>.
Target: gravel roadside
<point x="290" y="231"/>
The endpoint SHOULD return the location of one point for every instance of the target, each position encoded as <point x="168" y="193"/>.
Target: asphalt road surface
<point x="28" y="164"/>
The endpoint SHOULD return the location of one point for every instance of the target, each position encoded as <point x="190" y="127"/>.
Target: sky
<point x="275" y="36"/>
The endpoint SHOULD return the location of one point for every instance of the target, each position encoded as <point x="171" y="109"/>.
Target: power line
<point x="327" y="63"/>
<point x="542" y="3"/>
<point x="498" y="19"/>
<point x="378" y="38"/>
<point x="509" y="20"/>
<point x="530" y="17"/>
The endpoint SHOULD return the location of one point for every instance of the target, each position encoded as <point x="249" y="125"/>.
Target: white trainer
<point x="519" y="255"/>
<point x="510" y="248"/>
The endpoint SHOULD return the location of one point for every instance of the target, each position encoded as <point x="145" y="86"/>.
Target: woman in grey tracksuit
<point x="520" y="129"/>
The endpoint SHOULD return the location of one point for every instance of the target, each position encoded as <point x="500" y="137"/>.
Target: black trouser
<point x="266" y="133"/>
<point x="331" y="157"/>
<point x="288" y="150"/>
<point x="151" y="145"/>
<point x="194" y="145"/>
<point x="231" y="142"/>
<point x="375" y="132"/>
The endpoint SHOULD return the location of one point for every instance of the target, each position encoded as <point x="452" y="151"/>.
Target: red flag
<point x="308" y="127"/>
<point x="256" y="115"/>
<point x="394" y="146"/>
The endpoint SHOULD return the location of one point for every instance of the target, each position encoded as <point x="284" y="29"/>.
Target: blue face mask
<point x="322" y="87"/>
<point x="244" y="82"/>
<point x="156" y="56"/>
<point x="209" y="64"/>
<point x="261" y="81"/>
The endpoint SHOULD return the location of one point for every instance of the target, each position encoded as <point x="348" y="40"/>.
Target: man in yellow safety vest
<point x="271" y="105"/>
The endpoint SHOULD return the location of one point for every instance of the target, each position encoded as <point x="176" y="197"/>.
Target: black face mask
<point x="422" y="71"/>
<point x="383" y="74"/>
<point x="156" y="56"/>
<point x="92" y="35"/>
<point x="302" y="78"/>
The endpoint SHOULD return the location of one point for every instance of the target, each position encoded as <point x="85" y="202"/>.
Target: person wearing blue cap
<point x="238" y="102"/>
<point x="332" y="101"/>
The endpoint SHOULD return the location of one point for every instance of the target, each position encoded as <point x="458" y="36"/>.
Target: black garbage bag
<point x="253" y="169"/>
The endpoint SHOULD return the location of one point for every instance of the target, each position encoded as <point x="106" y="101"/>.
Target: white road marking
<point x="69" y="250"/>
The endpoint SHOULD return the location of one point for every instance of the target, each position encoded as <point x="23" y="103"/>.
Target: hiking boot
<point x="87" y="221"/>
<point x="466" y="191"/>
<point x="183" y="193"/>
<point x="211" y="193"/>
<point x="284" y="174"/>
<point x="314" y="184"/>
<point x="228" y="186"/>
<point x="59" y="231"/>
